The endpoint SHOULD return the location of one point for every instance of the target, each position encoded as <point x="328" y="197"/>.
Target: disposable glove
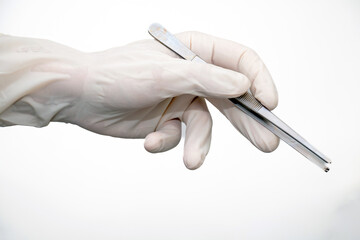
<point x="141" y="90"/>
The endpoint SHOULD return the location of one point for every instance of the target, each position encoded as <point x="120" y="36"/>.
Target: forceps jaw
<point x="283" y="135"/>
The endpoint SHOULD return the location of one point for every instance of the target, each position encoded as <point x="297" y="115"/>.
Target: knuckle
<point x="189" y="36"/>
<point x="250" y="63"/>
<point x="249" y="54"/>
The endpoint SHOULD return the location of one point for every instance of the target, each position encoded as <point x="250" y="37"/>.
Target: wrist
<point x="42" y="81"/>
<point x="67" y="93"/>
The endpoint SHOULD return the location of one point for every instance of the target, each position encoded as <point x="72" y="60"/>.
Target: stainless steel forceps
<point x="248" y="104"/>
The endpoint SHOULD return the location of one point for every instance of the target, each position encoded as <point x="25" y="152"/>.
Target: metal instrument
<point x="248" y="104"/>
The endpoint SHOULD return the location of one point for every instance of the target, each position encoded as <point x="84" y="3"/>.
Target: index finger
<point x="237" y="57"/>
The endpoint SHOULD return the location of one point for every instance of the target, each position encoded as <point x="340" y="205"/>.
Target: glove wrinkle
<point x="140" y="90"/>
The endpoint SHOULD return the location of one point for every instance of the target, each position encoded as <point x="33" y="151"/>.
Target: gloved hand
<point x="139" y="90"/>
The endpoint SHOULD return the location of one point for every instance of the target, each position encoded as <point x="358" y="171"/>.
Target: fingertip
<point x="235" y="83"/>
<point x="268" y="99"/>
<point x="271" y="146"/>
<point x="193" y="160"/>
<point x="228" y="83"/>
<point x="152" y="143"/>
<point x="166" y="137"/>
<point x="264" y="89"/>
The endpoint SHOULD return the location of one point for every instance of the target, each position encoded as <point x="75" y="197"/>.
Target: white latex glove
<point x="135" y="91"/>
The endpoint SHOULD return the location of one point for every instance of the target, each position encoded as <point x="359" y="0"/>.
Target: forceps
<point x="248" y="103"/>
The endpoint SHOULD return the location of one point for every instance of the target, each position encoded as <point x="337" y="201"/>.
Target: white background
<point x="62" y="182"/>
